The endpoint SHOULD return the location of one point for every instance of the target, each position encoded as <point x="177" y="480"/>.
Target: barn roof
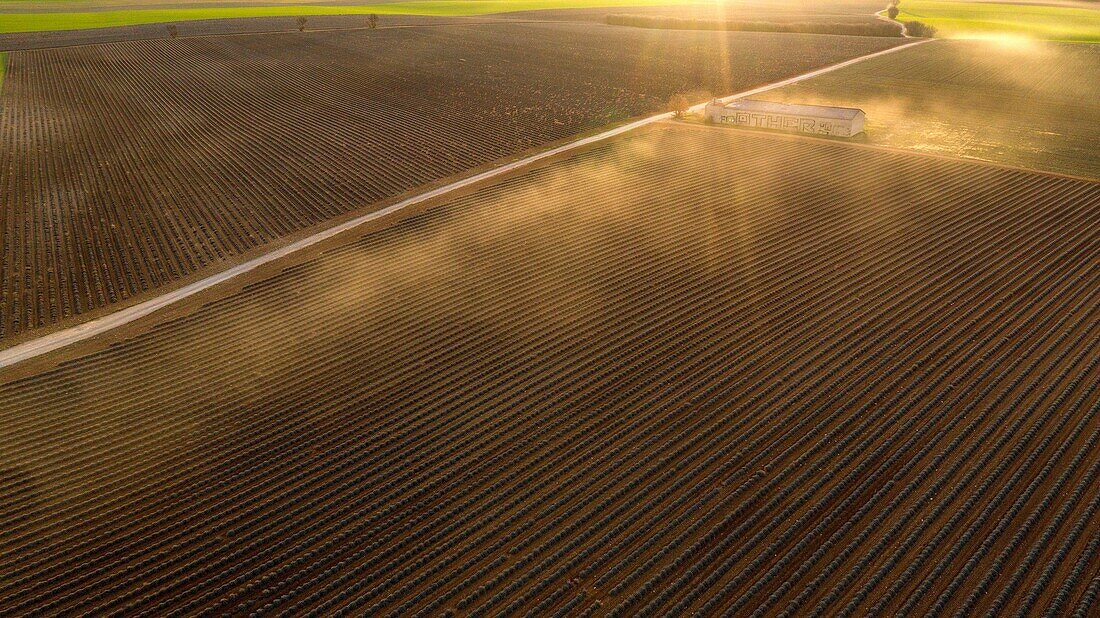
<point x="816" y="111"/>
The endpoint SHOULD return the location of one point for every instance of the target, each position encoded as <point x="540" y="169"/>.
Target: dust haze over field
<point x="793" y="385"/>
<point x="1023" y="103"/>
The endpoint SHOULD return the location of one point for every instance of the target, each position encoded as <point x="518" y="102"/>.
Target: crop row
<point x="130" y="165"/>
<point x="622" y="384"/>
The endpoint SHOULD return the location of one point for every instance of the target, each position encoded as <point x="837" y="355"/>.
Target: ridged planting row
<point x="688" y="371"/>
<point x="126" y="166"/>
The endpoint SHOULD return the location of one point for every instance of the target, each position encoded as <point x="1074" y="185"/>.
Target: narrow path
<point x="93" y="328"/>
<point x="904" y="28"/>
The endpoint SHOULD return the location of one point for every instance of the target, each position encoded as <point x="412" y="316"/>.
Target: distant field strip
<point x="987" y="19"/>
<point x="205" y="168"/>
<point x="779" y="11"/>
<point x="1026" y="105"/>
<point x="801" y="378"/>
<point x="45" y="21"/>
<point x="853" y="28"/>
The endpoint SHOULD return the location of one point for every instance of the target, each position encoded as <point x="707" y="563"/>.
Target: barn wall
<point x="785" y="122"/>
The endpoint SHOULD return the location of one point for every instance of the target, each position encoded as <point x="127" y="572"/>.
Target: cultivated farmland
<point x="1057" y="20"/>
<point x="130" y="165"/>
<point x="1025" y="104"/>
<point x="272" y="25"/>
<point x="171" y="11"/>
<point x="805" y="377"/>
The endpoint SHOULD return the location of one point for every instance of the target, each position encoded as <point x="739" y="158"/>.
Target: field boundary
<point x="98" y="326"/>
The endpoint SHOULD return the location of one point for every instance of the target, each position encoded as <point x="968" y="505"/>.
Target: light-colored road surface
<point x="99" y="326"/>
<point x="904" y="28"/>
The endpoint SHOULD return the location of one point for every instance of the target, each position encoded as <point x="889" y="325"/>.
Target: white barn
<point x="815" y="119"/>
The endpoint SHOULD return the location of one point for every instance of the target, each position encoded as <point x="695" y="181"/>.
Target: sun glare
<point x="1008" y="40"/>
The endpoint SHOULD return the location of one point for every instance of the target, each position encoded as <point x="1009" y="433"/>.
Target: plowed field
<point x="129" y="165"/>
<point x="693" y="369"/>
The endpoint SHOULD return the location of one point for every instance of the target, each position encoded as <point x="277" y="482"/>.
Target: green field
<point x="952" y="19"/>
<point x="978" y="20"/>
<point x="43" y="21"/>
<point x="1029" y="105"/>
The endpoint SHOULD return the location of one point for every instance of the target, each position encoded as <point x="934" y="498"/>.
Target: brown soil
<point x="131" y="166"/>
<point x="689" y="370"/>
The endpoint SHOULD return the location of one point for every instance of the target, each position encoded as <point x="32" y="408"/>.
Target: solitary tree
<point x="678" y="105"/>
<point x="172" y="30"/>
<point x="372" y="21"/>
<point x="302" y="23"/>
<point x="892" y="12"/>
